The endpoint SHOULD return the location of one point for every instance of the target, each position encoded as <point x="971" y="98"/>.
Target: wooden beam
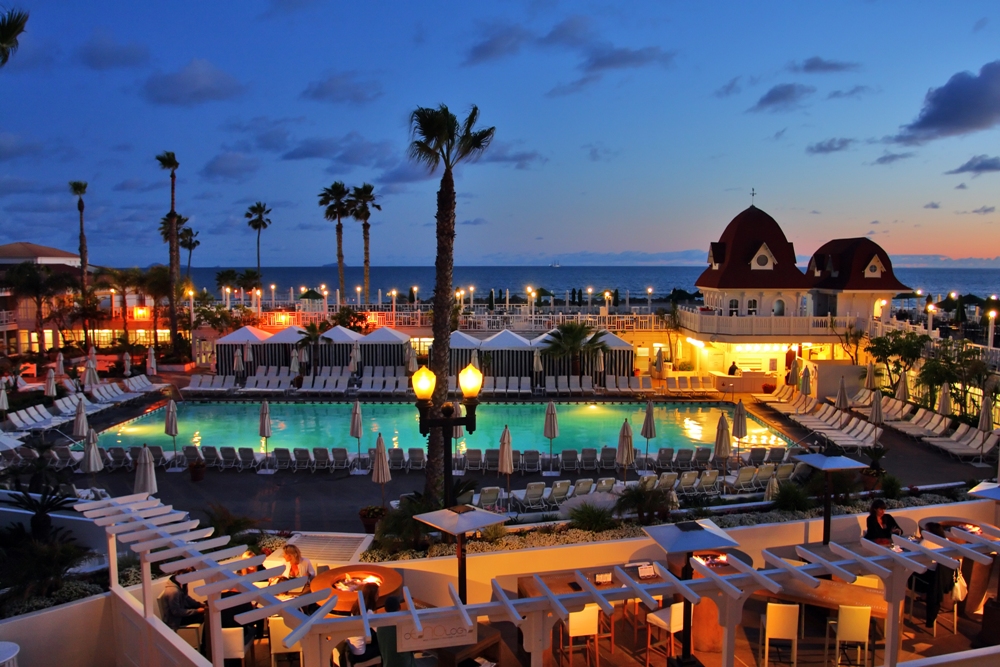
<point x="785" y="566"/>
<point x="628" y="582"/>
<point x="899" y="559"/>
<point x="253" y="595"/>
<point x="499" y="594"/>
<point x="557" y="606"/>
<point x="678" y="585"/>
<point x="138" y="525"/>
<point x="721" y="583"/>
<point x="457" y="601"/>
<point x="936" y="556"/>
<point x="303" y="628"/>
<point x="158" y="531"/>
<point x="964" y="551"/>
<point x="229" y="566"/>
<point x="761" y="579"/>
<point x="412" y="608"/>
<point x="291" y="606"/>
<point x="224" y="585"/>
<point x="872" y="567"/>
<point x="202" y="558"/>
<point x="830" y="567"/>
<point x="598" y="597"/>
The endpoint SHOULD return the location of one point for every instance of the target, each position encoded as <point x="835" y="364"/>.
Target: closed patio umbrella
<point x="658" y="364"/>
<point x="50" y="383"/>
<point x="985" y="421"/>
<point x="474" y="359"/>
<point x="551" y="431"/>
<point x="248" y="357"/>
<point x="127" y="364"/>
<point x="355" y="359"/>
<point x="842" y="403"/>
<point x="625" y="456"/>
<point x="506" y="463"/>
<point x="92" y="354"/>
<point x="648" y="430"/>
<point x="739" y="426"/>
<point x="293" y="367"/>
<point x="599" y="362"/>
<point x="80" y="426"/>
<point x="238" y="366"/>
<point x="304" y="355"/>
<point x="264" y="431"/>
<point x="145" y="476"/>
<point x="60" y="364"/>
<point x="411" y="360"/>
<point x="944" y="400"/>
<point x="151" y="361"/>
<point x="875" y="416"/>
<point x="536" y="362"/>
<point x="380" y="466"/>
<point x="170" y="428"/>
<point x="91" y="462"/>
<point x="4" y="403"/>
<point x="870" y="376"/>
<point x="793" y="373"/>
<point x="806" y="381"/>
<point x="356" y="431"/>
<point x="902" y="389"/>
<point x="723" y="446"/>
<point x="771" y="492"/>
<point x="90" y="377"/>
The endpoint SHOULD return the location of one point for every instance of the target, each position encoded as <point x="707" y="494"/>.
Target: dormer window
<point x="763" y="259"/>
<point x="875" y="268"/>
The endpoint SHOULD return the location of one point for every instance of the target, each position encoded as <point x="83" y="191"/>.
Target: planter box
<point x="177" y="368"/>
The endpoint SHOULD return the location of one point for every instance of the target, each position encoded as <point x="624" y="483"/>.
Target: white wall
<point x="78" y="634"/>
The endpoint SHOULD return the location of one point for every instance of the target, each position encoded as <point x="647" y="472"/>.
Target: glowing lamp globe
<point x="470" y="379"/>
<point x="423" y="384"/>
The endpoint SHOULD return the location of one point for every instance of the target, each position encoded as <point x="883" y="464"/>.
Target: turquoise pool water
<point x="328" y="424"/>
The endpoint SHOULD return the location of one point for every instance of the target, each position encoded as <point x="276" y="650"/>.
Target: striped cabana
<point x="618" y="360"/>
<point x="384" y="347"/>
<point x="277" y="350"/>
<point x="506" y="354"/>
<point x="462" y="345"/>
<point x="336" y="350"/>
<point x="242" y="339"/>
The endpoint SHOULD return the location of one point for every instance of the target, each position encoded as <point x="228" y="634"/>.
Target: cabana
<point x="384" y="347"/>
<point x="312" y="301"/>
<point x="618" y="360"/>
<point x="242" y="339"/>
<point x="462" y="345"/>
<point x="509" y="355"/>
<point x="337" y="345"/>
<point x="620" y="357"/>
<point x="277" y="350"/>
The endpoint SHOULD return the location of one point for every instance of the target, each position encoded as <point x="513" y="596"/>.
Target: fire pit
<point x="347" y="580"/>
<point x="952" y="522"/>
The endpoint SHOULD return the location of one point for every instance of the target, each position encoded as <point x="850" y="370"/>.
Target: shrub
<point x="398" y="529"/>
<point x="892" y="488"/>
<point x="226" y="523"/>
<point x="591" y="517"/>
<point x="645" y="503"/>
<point x="372" y="512"/>
<point x="267" y="543"/>
<point x="494" y="533"/>
<point x="792" y="498"/>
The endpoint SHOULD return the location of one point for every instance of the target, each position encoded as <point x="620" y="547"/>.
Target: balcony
<point x="781" y="329"/>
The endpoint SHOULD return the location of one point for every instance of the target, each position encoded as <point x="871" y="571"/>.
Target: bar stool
<point x="585" y="624"/>
<point x="780" y="622"/>
<point x="8" y="654"/>
<point x="912" y="596"/>
<point x="670" y="619"/>
<point x="852" y="626"/>
<point x="637" y="607"/>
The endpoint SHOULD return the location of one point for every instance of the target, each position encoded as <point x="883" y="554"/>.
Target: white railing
<point x="709" y="322"/>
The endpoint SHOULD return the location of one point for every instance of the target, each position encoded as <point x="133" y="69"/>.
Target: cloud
<point x="351" y="150"/>
<point x="507" y="153"/>
<point x="979" y="164"/>
<point x="102" y="52"/>
<point x="394" y="180"/>
<point x="572" y="32"/>
<point x="984" y="210"/>
<point x="46" y="205"/>
<point x="961" y="186"/>
<point x="889" y="158"/>
<point x="815" y="212"/>
<point x="732" y="87"/>
<point x="606" y="57"/>
<point x="342" y="88"/>
<point x="833" y="145"/>
<point x="783" y="97"/>
<point x="851" y="93"/>
<point x="817" y="65"/>
<point x="196" y="83"/>
<point x="980" y="24"/>
<point x="268" y="134"/>
<point x="138" y="185"/>
<point x="777" y="136"/>
<point x="932" y="204"/>
<point x="279" y="7"/>
<point x="572" y="87"/>
<point x="597" y="152"/>
<point x="208" y="195"/>
<point x="230" y="166"/>
<point x="34" y="52"/>
<point x="966" y="103"/>
<point x="13" y="146"/>
<point x="497" y="41"/>
<point x="474" y="222"/>
<point x="11" y="185"/>
<point x="875" y="222"/>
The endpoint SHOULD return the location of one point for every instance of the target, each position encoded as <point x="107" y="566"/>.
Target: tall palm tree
<point x="168" y="161"/>
<point x="78" y="189"/>
<point x="248" y="281"/>
<point x="338" y="206"/>
<point x="12" y="23"/>
<point x="438" y="139"/>
<point x="123" y="281"/>
<point x="258" y="221"/>
<point x="187" y="239"/>
<point x="363" y="201"/>
<point x="165" y="227"/>
<point x="574" y="340"/>
<point x="312" y="337"/>
<point x="38" y="284"/>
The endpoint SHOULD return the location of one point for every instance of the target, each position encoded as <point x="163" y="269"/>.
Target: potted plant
<point x="370" y="516"/>
<point x="871" y="477"/>
<point x="197" y="470"/>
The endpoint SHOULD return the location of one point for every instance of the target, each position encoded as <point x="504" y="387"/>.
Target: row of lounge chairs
<point x="563" y="385"/>
<point x="508" y="387"/>
<point x="751" y="479"/>
<point x="683" y="385"/>
<point x="324" y="385"/>
<point x="628" y="386"/>
<point x="40" y="418"/>
<point x="385" y="387"/>
<point x="383" y="371"/>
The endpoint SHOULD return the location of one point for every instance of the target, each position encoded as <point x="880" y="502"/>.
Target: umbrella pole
<point x="383" y="495"/>
<point x="550" y="455"/>
<point x="173" y="461"/>
<point x="645" y="465"/>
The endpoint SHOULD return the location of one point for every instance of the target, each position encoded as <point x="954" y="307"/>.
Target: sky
<point x="626" y="133"/>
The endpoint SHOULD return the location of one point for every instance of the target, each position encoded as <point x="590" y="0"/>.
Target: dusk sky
<point x="626" y="132"/>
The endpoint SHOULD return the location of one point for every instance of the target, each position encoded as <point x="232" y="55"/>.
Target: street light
<point x="472" y="296"/>
<point x="358" y="290"/>
<point x="191" y="297"/>
<point x="228" y="292"/>
<point x="470" y="380"/>
<point x="272" y="295"/>
<point x="415" y="290"/>
<point x="930" y="317"/>
<point x="993" y="320"/>
<point x="590" y="293"/>
<point x="393" y="295"/>
<point x="649" y="299"/>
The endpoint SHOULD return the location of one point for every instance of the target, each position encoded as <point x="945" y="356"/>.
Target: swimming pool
<point x="311" y="425"/>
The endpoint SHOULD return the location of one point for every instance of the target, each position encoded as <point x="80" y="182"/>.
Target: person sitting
<point x="296" y="565"/>
<point x="734" y="369"/>
<point x="179" y="608"/>
<point x="358" y="650"/>
<point x="881" y="526"/>
<point x="387" y="641"/>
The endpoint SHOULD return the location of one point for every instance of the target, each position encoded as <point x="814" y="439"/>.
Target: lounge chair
<point x="473" y="459"/>
<point x="587" y="385"/>
<point x="489" y="385"/>
<point x="646" y="385"/>
<point x="191" y="454"/>
<point x="684" y="459"/>
<point x="605" y="485"/>
<point x="588" y="459"/>
<point x="664" y="459"/>
<point x="562" y="384"/>
<point x="568" y="460"/>
<point x="708" y="387"/>
<point x="574" y="386"/>
<point x="647" y="482"/>
<point x="557" y="495"/>
<point x="489" y="498"/>
<point x="531" y="461"/>
<point x="608" y="456"/>
<point x="783" y="472"/>
<point x="684" y="385"/>
<point x="282" y="458"/>
<point x="581" y="488"/>
<point x="670" y="387"/>
<point x="666" y="481"/>
<point x="634" y="386"/>
<point x="623" y="386"/>
<point x="778" y="395"/>
<point x="321" y="459"/>
<point x="708" y="483"/>
<point x="550" y="386"/>
<point x="339" y="460"/>
<point x="416" y="460"/>
<point x="492" y="459"/>
<point x="687" y="484"/>
<point x="301" y="460"/>
<point x="525" y="391"/>
<point x="211" y="456"/>
<point x="397" y="458"/>
<point x="764" y="474"/>
<point x="610" y="386"/>
<point x="775" y="455"/>
<point x="742" y="480"/>
<point x="702" y="457"/>
<point x="756" y="456"/>
<point x="247" y="459"/>
<point x="513" y="387"/>
<point x="229" y="458"/>
<point x="193" y="385"/>
<point x="500" y="387"/>
<point x="531" y="497"/>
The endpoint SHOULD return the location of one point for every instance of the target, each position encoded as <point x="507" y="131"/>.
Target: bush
<point x="892" y="487"/>
<point x="845" y="485"/>
<point x="226" y="523"/>
<point x="493" y="533"/>
<point x="646" y="504"/>
<point x="591" y="517"/>
<point x="792" y="498"/>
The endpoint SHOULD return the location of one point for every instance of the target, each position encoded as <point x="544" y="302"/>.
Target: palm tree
<point x="78" y="189"/>
<point x="312" y="337"/>
<point x="168" y="161"/>
<point x="187" y="239"/>
<point x="338" y="206"/>
<point x="123" y="281"/>
<point x="39" y="284"/>
<point x="258" y="221"/>
<point x="574" y="340"/>
<point x="438" y="138"/>
<point x="363" y="200"/>
<point x="12" y="24"/>
<point x="157" y="284"/>
<point x="248" y="281"/>
<point x="165" y="227"/>
<point x="226" y="278"/>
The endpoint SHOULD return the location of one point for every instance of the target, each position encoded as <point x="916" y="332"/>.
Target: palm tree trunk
<point x="124" y="314"/>
<point x="175" y="261"/>
<point x="340" y="256"/>
<point x="365" y="227"/>
<point x="83" y="269"/>
<point x="261" y="282"/>
<point x="443" y="298"/>
<point x="190" y="252"/>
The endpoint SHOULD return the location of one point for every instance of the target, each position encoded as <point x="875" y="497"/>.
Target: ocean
<point x="634" y="279"/>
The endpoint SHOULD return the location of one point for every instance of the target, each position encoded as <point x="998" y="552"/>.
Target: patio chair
<point x="574" y="386"/>
<point x="687" y="485"/>
<point x="702" y="457"/>
<point x="775" y="455"/>
<point x="582" y="487"/>
<point x="562" y="383"/>
<point x="671" y="388"/>
<point x="488" y="386"/>
<point x="684" y="459"/>
<point x="321" y="459"/>
<point x="531" y="497"/>
<point x="301" y="460"/>
<point x="587" y="385"/>
<point x="500" y="387"/>
<point x="764" y="474"/>
<point x="550" y="386"/>
<point x="783" y="472"/>
<point x="416" y="459"/>
<point x="623" y="385"/>
<point x="525" y="391"/>
<point x="569" y="460"/>
<point x="664" y="458"/>
<point x="489" y="498"/>
<point x="492" y="460"/>
<point x="247" y="459"/>
<point x="473" y="459"/>
<point x="608" y="455"/>
<point x="605" y="485"/>
<point x="588" y="459"/>
<point x="339" y="460"/>
<point x="742" y="480"/>
<point x="515" y="456"/>
<point x="65" y="458"/>
<point x="557" y="495"/>
<point x="282" y="458"/>
<point x="191" y="454"/>
<point x="159" y="458"/>
<point x="852" y="626"/>
<point x="667" y="481"/>
<point x="634" y="386"/>
<point x="513" y="387"/>
<point x="211" y="456"/>
<point x="708" y="483"/>
<point x="397" y="459"/>
<point x="229" y="458"/>
<point x="756" y="456"/>
<point x="780" y="622"/>
<point x="531" y="461"/>
<point x="647" y="482"/>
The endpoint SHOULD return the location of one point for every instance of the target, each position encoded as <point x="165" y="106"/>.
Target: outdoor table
<point x="830" y="595"/>
<point x="8" y="653"/>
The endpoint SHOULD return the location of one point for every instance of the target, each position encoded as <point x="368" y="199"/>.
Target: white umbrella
<point x="551" y="429"/>
<point x="658" y="364"/>
<point x="648" y="430"/>
<point x="60" y="364"/>
<point x="145" y="476"/>
<point x="875" y="416"/>
<point x="599" y="362"/>
<point x="380" y="466"/>
<point x="842" y="403"/>
<point x="4" y="403"/>
<point x="293" y="367"/>
<point x="806" y="381"/>
<point x="625" y="456"/>
<point x="90" y="377"/>
<point x="411" y="360"/>
<point x="944" y="400"/>
<point x="91" y="462"/>
<point x="248" y="357"/>
<point x="304" y="355"/>
<point x="264" y="431"/>
<point x="506" y="463"/>
<point x="537" y="365"/>
<point x="92" y="354"/>
<point x="170" y="427"/>
<point x="127" y="364"/>
<point x="352" y="363"/>
<point x="356" y="429"/>
<point x="985" y="420"/>
<point x="151" y="361"/>
<point x="870" y="376"/>
<point x="793" y="372"/>
<point x="50" y="383"/>
<point x="80" y="426"/>
<point x="458" y="431"/>
<point x="771" y="492"/>
<point x="722" y="442"/>
<point x="902" y="389"/>
<point x="238" y="366"/>
<point x="474" y="359"/>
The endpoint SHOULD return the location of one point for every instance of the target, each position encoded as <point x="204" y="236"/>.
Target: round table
<point x="8" y="654"/>
<point x="392" y="583"/>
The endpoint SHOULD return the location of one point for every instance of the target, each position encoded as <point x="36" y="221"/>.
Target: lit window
<point x="751" y="306"/>
<point x="734" y="307"/>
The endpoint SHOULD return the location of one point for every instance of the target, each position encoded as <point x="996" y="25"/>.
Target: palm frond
<point x="12" y="24"/>
<point x="168" y="160"/>
<point x="78" y="188"/>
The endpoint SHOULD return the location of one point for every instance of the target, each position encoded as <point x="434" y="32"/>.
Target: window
<point x="751" y="306"/>
<point x="734" y="307"/>
<point x="761" y="260"/>
<point x="779" y="308"/>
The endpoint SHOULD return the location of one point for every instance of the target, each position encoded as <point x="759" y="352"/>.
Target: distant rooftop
<point x="22" y="251"/>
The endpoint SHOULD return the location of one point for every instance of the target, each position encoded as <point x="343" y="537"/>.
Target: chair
<point x="581" y="624"/>
<point x="608" y="455"/>
<point x="780" y="622"/>
<point x="301" y="460"/>
<point x="473" y="459"/>
<point x="558" y="493"/>
<point x="191" y="454"/>
<point x="581" y="488"/>
<point x="708" y="483"/>
<point x="568" y="460"/>
<point x="229" y="458"/>
<point x="282" y="458"/>
<point x="666" y="481"/>
<point x="492" y="460"/>
<point x="684" y="459"/>
<point x="550" y="385"/>
<point x="588" y="459"/>
<point x="339" y="460"/>
<point x="647" y="482"/>
<point x="321" y="459"/>
<point x="489" y="498"/>
<point x="531" y="461"/>
<point x="587" y="385"/>
<point x="234" y="646"/>
<point x="159" y="458"/>
<point x="851" y="626"/>
<point x="670" y="620"/>
<point x="605" y="485"/>
<point x="211" y="455"/>
<point x="247" y="459"/>
<point x="664" y="459"/>
<point x="702" y="457"/>
<point x="397" y="459"/>
<point x="278" y="630"/>
<point x="688" y="483"/>
<point x="191" y="634"/>
<point x="562" y="382"/>
<point x="531" y="497"/>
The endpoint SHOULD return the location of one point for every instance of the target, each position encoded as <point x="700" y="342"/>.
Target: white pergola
<point x="159" y="534"/>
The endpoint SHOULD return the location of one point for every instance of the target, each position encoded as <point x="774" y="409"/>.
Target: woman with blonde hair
<point x="296" y="565"/>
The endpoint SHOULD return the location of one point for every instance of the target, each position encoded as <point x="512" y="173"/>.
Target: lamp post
<point x="191" y="303"/>
<point x="607" y="301"/>
<point x="472" y="296"/>
<point x="113" y="302"/>
<point x="393" y="295"/>
<point x="649" y="300"/>
<point x="260" y="304"/>
<point x="993" y="321"/>
<point x="228" y="292"/>
<point x="470" y="380"/>
<point x="272" y="295"/>
<point x="326" y="303"/>
<point x="930" y="318"/>
<point x="531" y="303"/>
<point x="590" y="293"/>
<point x="416" y="299"/>
<point x="358" y="290"/>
